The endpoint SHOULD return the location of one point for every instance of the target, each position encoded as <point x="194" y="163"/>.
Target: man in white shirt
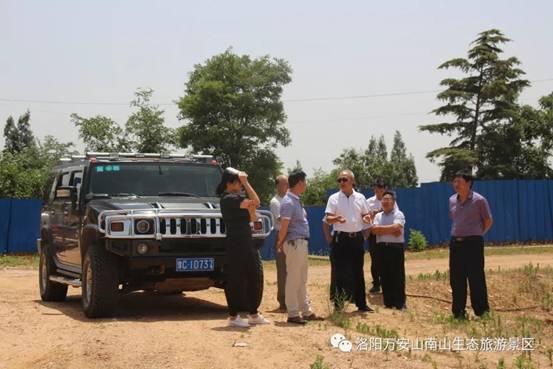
<point x="281" y="183"/>
<point x="388" y="226"/>
<point x="346" y="210"/>
<point x="375" y="207"/>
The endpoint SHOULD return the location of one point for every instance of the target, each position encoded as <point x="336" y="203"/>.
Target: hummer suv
<point x="117" y="223"/>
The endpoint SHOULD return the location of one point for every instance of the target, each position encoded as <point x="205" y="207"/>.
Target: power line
<point x="307" y="99"/>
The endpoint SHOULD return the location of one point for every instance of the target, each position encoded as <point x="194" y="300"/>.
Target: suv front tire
<point x="99" y="282"/>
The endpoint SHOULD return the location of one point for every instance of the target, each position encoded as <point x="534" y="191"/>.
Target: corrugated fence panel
<point x="550" y="192"/>
<point x="268" y="250"/>
<point x="5" y="206"/>
<point x="24" y="225"/>
<point x="534" y="211"/>
<point x="502" y="197"/>
<point x="317" y="242"/>
<point x="410" y="203"/>
<point x="437" y="225"/>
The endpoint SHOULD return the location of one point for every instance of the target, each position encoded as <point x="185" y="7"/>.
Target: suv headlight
<point x="143" y="226"/>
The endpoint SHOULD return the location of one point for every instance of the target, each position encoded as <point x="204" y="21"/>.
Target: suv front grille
<point x="191" y="226"/>
<point x="175" y="223"/>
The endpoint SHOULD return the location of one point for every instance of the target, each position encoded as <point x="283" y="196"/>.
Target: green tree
<point x="100" y="133"/>
<point x="355" y="161"/>
<point x="11" y="136"/>
<point x="397" y="168"/>
<point x="318" y="185"/>
<point x="232" y="109"/>
<point x="522" y="148"/>
<point x="18" y="136"/>
<point x="24" y="174"/>
<point x="21" y="174"/>
<point x="402" y="173"/>
<point x="52" y="150"/>
<point x="146" y="126"/>
<point x="485" y="98"/>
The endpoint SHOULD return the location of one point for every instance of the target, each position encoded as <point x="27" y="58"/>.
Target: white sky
<point x="101" y="51"/>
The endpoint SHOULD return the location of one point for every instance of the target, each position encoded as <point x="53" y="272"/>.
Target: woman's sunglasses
<point x="342" y="179"/>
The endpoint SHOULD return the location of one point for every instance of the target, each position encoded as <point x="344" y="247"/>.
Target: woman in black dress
<point x="243" y="287"/>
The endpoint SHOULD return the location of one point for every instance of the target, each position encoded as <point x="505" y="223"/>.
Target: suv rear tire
<point x="99" y="282"/>
<point x="49" y="290"/>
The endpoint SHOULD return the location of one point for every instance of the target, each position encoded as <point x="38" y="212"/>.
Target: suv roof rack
<point x="101" y="155"/>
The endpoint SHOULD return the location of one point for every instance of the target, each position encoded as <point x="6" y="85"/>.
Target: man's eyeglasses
<point x="343" y="179"/>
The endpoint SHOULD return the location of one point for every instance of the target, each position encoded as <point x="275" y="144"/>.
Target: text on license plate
<point x="195" y="264"/>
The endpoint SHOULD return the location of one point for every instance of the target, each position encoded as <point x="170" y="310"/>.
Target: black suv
<point x="116" y="223"/>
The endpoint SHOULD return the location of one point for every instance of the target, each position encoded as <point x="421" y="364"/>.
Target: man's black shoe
<point x="365" y="309"/>
<point x="460" y="316"/>
<point x="312" y="317"/>
<point x="297" y="320"/>
<point x="375" y="289"/>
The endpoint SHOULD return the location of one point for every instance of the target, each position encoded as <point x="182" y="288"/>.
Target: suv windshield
<point x="151" y="179"/>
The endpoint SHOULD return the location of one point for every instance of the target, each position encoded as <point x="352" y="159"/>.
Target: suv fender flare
<point x="90" y="236"/>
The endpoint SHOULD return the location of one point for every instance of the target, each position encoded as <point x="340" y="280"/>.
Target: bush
<point x="417" y="241"/>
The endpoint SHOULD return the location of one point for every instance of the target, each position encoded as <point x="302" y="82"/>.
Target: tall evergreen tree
<point x="26" y="137"/>
<point x="18" y="136"/>
<point x="396" y="168"/>
<point x="11" y="136"/>
<point x="486" y="97"/>
<point x="403" y="172"/>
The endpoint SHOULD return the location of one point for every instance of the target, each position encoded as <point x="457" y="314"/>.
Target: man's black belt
<point x="349" y="234"/>
<point x="466" y="238"/>
<point x="395" y="244"/>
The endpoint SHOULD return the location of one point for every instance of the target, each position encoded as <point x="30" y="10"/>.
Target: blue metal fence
<point x="19" y="225"/>
<point x="522" y="211"/>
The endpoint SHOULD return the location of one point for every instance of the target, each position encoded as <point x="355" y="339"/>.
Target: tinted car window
<point x="64" y="180"/>
<point x="149" y="179"/>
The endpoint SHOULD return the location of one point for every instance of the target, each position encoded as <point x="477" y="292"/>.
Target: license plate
<point x="195" y="265"/>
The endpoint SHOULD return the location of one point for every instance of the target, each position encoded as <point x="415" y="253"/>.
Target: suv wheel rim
<point x="88" y="284"/>
<point x="43" y="273"/>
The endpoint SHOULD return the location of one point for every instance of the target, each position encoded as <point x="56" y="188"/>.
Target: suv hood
<point x="156" y="202"/>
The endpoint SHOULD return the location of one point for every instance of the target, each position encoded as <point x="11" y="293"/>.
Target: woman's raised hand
<point x="243" y="177"/>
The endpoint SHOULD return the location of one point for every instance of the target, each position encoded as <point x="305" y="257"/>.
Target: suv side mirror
<point x="66" y="192"/>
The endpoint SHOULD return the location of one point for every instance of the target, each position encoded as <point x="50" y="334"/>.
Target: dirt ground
<point x="190" y="330"/>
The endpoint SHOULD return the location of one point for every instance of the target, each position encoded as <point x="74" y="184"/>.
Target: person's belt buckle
<point x="352" y="234"/>
<point x="459" y="239"/>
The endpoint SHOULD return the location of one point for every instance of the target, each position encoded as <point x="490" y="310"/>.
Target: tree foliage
<point x="145" y="128"/>
<point x="318" y="185"/>
<point x="18" y="136"/>
<point x="396" y="168"/>
<point x="484" y="106"/>
<point x="24" y="172"/>
<point x="100" y="133"/>
<point x="232" y="109"/>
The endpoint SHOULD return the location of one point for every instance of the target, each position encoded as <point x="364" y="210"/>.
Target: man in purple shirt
<point x="471" y="219"/>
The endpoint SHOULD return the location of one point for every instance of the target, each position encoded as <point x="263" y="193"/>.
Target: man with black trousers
<point x="346" y="210"/>
<point x="388" y="226"/>
<point x="471" y="219"/>
<point x="375" y="206"/>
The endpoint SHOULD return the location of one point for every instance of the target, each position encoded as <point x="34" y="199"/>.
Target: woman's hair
<point x="229" y="175"/>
